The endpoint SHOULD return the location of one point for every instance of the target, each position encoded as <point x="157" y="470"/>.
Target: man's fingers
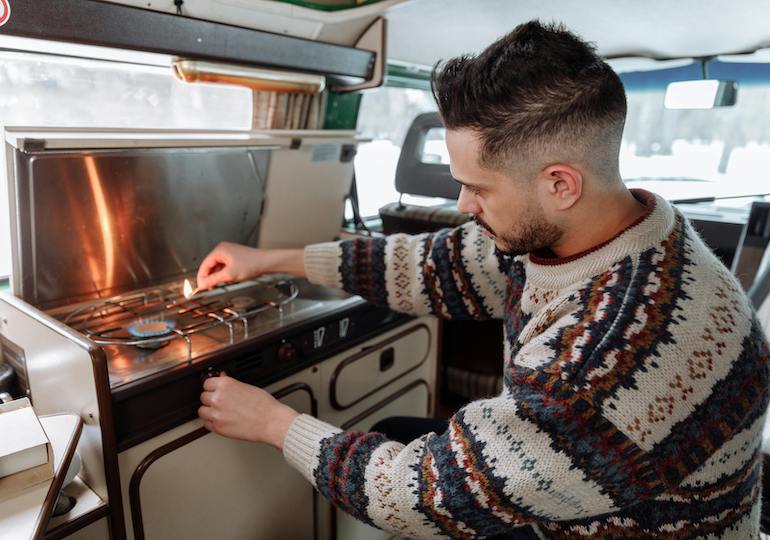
<point x="212" y="280"/>
<point x="208" y="425"/>
<point x="207" y="398"/>
<point x="212" y="383"/>
<point x="208" y="265"/>
<point x="206" y="413"/>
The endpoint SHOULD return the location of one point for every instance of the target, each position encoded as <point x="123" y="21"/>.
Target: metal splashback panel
<point x="92" y="223"/>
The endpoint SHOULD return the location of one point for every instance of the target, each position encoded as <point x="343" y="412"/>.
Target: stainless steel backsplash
<point x="96" y="223"/>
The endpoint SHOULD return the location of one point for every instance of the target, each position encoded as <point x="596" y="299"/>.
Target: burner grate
<point x="151" y="319"/>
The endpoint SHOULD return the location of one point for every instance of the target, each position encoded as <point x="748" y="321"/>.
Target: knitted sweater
<point x="636" y="383"/>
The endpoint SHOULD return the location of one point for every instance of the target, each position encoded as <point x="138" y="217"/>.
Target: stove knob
<point x="287" y="353"/>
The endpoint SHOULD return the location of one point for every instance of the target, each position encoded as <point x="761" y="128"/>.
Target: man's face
<point x="507" y="208"/>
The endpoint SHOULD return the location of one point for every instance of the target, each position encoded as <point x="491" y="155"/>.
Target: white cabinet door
<point x="357" y="381"/>
<point x="200" y="485"/>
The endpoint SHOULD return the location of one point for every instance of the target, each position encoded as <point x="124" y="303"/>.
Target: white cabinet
<point x="192" y="484"/>
<point x="188" y="483"/>
<point x="356" y="383"/>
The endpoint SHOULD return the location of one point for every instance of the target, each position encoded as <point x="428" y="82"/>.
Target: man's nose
<point x="466" y="202"/>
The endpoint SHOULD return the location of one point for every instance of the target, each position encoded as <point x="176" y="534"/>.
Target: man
<point x="636" y="377"/>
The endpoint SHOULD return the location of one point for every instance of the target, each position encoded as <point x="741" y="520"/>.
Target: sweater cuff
<point x="302" y="445"/>
<point x="322" y="264"/>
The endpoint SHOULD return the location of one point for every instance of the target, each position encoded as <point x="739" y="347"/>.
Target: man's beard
<point x="535" y="233"/>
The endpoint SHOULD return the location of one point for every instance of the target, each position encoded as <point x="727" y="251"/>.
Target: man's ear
<point x="562" y="185"/>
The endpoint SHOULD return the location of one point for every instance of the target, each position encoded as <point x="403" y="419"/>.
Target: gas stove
<point x="159" y="345"/>
<point x="149" y="331"/>
<point x="106" y="227"/>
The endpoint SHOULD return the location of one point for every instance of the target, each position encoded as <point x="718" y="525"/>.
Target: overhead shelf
<point x="118" y="26"/>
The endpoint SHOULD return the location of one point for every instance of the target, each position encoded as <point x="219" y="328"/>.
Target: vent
<point x="249" y="363"/>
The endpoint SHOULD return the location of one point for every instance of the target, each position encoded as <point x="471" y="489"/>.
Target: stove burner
<point x="142" y="329"/>
<point x="150" y="329"/>
<point x="242" y="303"/>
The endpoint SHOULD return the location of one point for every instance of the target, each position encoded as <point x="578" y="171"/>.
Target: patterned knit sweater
<point x="636" y="383"/>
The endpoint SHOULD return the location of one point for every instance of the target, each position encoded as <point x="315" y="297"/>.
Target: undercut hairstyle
<point x="539" y="94"/>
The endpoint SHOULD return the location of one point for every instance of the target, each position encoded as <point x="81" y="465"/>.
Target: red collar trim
<point x="542" y="256"/>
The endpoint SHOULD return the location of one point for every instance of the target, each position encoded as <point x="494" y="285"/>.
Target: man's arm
<point x="453" y="273"/>
<point x="495" y="466"/>
<point x="229" y="262"/>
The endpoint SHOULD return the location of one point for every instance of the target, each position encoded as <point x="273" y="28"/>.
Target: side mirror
<point x="701" y="94"/>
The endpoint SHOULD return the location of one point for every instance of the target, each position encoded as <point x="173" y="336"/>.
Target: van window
<point x="435" y="150"/>
<point x="384" y="118"/>
<point x="45" y="90"/>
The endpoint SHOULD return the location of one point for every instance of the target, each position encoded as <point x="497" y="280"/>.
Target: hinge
<point x="33" y="145"/>
<point x="348" y="153"/>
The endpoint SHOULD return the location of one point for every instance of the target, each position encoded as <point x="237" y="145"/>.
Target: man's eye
<point x="473" y="189"/>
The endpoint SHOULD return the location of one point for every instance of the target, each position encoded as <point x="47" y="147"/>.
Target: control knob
<point x="287" y="353"/>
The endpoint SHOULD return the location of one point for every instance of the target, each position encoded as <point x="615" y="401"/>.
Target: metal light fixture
<point x="254" y="78"/>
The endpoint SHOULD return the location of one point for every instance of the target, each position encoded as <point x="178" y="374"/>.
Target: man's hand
<point x="229" y="262"/>
<point x="241" y="411"/>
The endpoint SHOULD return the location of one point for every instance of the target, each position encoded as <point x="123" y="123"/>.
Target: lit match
<point x="187" y="289"/>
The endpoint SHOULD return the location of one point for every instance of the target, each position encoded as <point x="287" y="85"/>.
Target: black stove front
<point x="149" y="406"/>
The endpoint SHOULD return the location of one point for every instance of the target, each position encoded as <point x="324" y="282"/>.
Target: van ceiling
<point x="425" y="31"/>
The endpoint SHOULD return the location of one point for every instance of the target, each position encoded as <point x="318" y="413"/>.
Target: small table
<point x="26" y="515"/>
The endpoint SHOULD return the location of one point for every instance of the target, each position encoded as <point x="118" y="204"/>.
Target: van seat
<point x="412" y="219"/>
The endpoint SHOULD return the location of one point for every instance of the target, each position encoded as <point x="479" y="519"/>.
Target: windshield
<point x="686" y="154"/>
<point x="679" y="154"/>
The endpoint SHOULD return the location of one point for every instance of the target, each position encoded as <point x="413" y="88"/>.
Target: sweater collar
<point x="646" y="232"/>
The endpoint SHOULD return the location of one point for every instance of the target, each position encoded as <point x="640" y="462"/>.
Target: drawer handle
<point x="387" y="359"/>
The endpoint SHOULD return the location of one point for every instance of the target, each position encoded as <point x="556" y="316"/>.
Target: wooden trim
<point x="283" y="392"/>
<point x="374" y="408"/>
<point x="136" y="478"/>
<point x="56" y="483"/>
<point x="366" y="352"/>
<point x="116" y="518"/>
<point x="764" y="518"/>
<point x="70" y="527"/>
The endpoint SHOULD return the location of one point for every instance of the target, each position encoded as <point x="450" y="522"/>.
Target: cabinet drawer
<point x="361" y="375"/>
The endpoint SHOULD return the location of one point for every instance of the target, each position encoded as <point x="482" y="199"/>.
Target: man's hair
<point x="538" y="93"/>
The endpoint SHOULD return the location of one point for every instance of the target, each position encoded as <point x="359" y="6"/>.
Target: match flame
<point x="187" y="288"/>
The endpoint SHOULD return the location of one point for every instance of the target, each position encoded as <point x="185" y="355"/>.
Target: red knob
<point x="287" y="353"/>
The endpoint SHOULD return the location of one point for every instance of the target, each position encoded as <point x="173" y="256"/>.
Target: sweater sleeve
<point x="454" y="273"/>
<point x="494" y="468"/>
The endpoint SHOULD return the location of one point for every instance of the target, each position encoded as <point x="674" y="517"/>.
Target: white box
<point x="26" y="456"/>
